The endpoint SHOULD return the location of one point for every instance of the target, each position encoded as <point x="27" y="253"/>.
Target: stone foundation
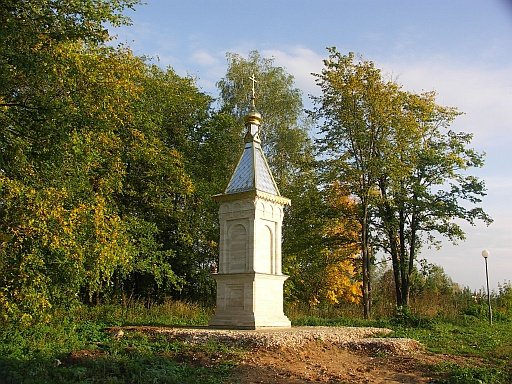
<point x="249" y="301"/>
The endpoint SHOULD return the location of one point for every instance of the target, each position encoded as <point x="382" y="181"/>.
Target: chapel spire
<point x="252" y="172"/>
<point x="253" y="117"/>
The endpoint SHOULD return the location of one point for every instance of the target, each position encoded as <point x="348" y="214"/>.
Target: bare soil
<point x="324" y="362"/>
<point x="317" y="355"/>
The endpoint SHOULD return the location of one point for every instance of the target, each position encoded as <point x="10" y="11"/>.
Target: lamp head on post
<point x="485" y="254"/>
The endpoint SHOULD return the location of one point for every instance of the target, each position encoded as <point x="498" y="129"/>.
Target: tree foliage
<point x="395" y="152"/>
<point x="321" y="249"/>
<point x="101" y="193"/>
<point x="356" y="120"/>
<point x="60" y="159"/>
<point x="427" y="189"/>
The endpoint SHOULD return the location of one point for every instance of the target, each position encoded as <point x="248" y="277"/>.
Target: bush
<point x="504" y="300"/>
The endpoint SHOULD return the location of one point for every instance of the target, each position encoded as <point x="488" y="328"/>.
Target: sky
<point x="462" y="49"/>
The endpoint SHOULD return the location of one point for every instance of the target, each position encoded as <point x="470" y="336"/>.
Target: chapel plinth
<point x="249" y="277"/>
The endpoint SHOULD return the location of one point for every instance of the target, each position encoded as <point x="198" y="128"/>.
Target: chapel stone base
<point x="249" y="301"/>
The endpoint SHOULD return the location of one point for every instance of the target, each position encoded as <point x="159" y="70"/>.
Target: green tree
<point x="61" y="165"/>
<point x="157" y="187"/>
<point x="303" y="240"/>
<point x="94" y="182"/>
<point x="30" y="29"/>
<point x="426" y="187"/>
<point x="108" y="164"/>
<point x="215" y="149"/>
<point x="56" y="230"/>
<point x="355" y="120"/>
<point x="396" y="154"/>
<point x="322" y="246"/>
<point x="179" y="118"/>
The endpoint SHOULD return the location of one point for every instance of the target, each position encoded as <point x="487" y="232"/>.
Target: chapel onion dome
<point x="252" y="123"/>
<point x="253" y="117"/>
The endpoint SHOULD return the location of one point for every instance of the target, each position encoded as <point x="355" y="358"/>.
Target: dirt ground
<point x="317" y="355"/>
<point x="321" y="362"/>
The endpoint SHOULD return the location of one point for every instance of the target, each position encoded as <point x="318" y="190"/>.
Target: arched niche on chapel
<point x="237" y="250"/>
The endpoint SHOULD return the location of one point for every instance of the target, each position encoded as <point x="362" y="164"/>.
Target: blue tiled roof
<point x="252" y="172"/>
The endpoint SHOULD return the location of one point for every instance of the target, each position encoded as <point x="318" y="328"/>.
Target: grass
<point x="490" y="348"/>
<point x="457" y="374"/>
<point x="75" y="348"/>
<point x="170" y="312"/>
<point x="136" y="358"/>
<point x="471" y="338"/>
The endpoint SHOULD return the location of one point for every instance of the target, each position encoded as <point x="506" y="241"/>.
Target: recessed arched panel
<point x="265" y="250"/>
<point x="237" y="250"/>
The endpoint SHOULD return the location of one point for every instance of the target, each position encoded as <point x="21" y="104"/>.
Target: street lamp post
<point x="485" y="255"/>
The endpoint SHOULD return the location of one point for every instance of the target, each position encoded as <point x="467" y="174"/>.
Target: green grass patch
<point x="316" y="321"/>
<point x="469" y="337"/>
<point x="168" y="313"/>
<point x="456" y="374"/>
<point x="75" y="348"/>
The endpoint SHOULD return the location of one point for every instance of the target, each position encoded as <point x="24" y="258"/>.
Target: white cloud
<point x="484" y="94"/>
<point x="300" y="62"/>
<point x="204" y="58"/>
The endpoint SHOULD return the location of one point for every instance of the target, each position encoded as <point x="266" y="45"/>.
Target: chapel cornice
<point x="252" y="195"/>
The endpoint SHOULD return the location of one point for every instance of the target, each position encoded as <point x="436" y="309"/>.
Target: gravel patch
<point x="353" y="338"/>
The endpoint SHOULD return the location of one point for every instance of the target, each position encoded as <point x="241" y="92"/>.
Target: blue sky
<point x="460" y="48"/>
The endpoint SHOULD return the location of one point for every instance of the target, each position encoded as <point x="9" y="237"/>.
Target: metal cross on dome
<point x="254" y="81"/>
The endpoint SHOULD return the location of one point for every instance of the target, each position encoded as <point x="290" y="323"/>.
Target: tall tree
<point x="355" y="121"/>
<point x="157" y="194"/>
<point x="396" y="154"/>
<point x="95" y="172"/>
<point x="57" y="227"/>
<point x="61" y="166"/>
<point x="184" y="122"/>
<point x="425" y="187"/>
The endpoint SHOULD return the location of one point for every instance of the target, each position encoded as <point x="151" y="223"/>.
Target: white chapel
<point x="249" y="277"/>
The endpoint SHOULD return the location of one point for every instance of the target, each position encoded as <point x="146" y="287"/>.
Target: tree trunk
<point x="412" y="253"/>
<point x="365" y="264"/>
<point x="404" y="264"/>
<point x="396" y="268"/>
<point x="389" y="228"/>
